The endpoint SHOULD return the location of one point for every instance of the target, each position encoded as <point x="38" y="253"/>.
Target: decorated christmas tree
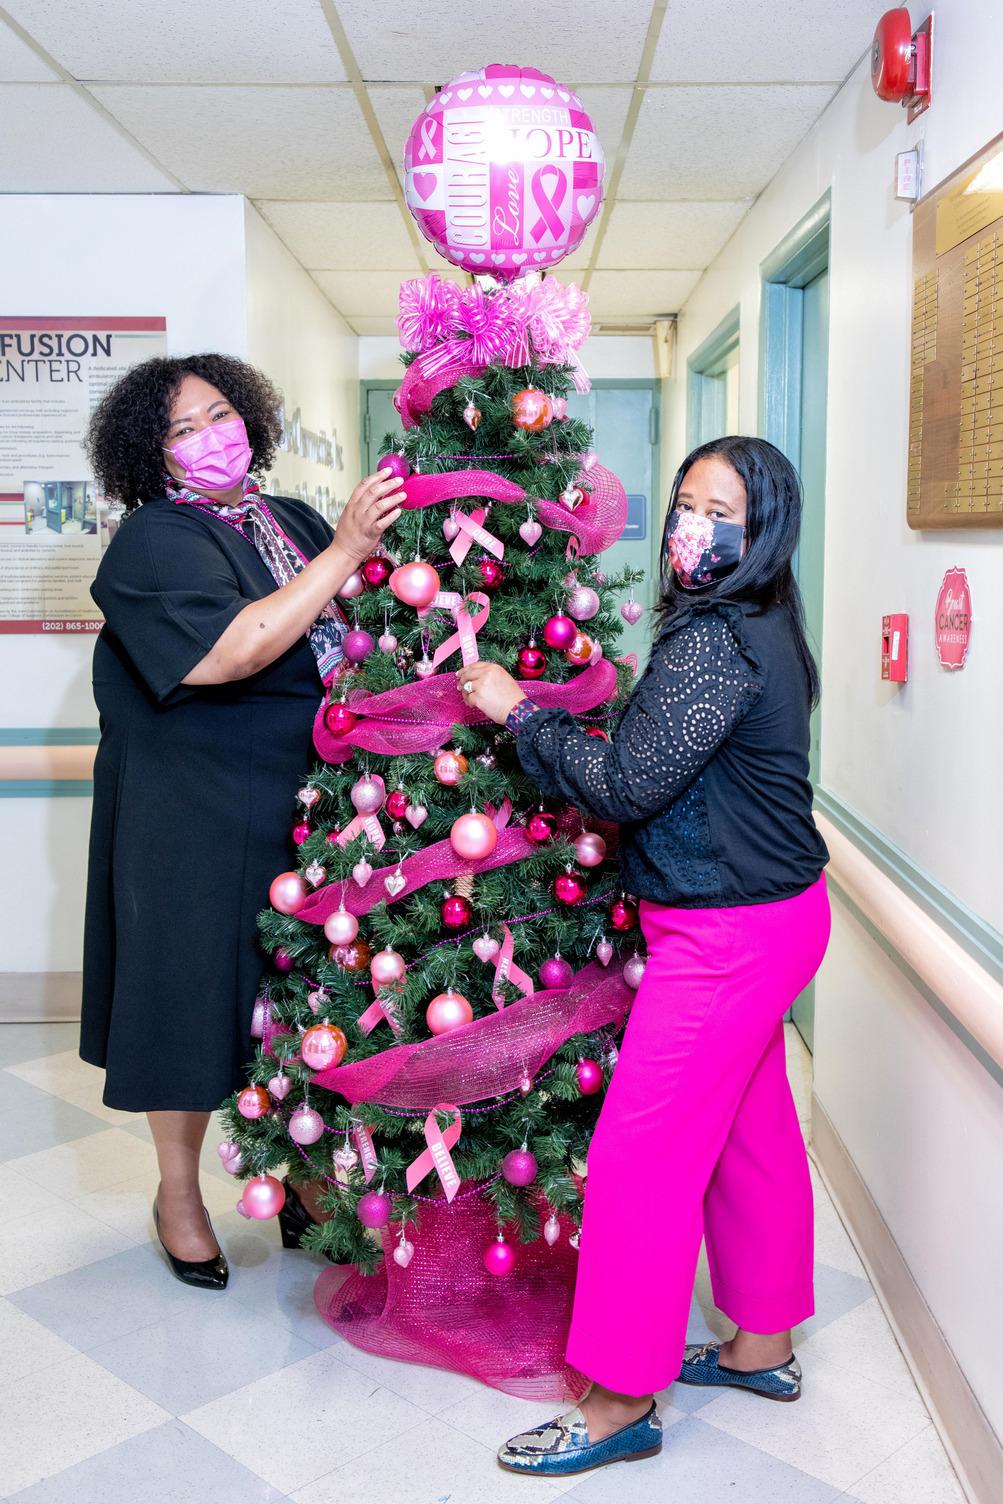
<point x="451" y="959"/>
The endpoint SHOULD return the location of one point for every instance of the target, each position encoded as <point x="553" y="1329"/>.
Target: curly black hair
<point x="128" y="426"/>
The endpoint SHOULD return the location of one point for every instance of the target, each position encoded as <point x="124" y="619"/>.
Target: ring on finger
<point x="467" y="686"/>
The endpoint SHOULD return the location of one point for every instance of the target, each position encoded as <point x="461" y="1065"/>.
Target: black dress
<point x="194" y="797"/>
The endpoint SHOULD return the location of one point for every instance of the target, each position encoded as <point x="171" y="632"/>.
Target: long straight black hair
<point x="772" y="529"/>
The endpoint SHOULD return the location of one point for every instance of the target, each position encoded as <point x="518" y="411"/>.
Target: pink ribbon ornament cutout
<point x="381" y="1010"/>
<point x="437" y="1156"/>
<point x="473" y="531"/>
<point x="507" y="971"/>
<point x="467" y="626"/>
<point x="367" y="1150"/>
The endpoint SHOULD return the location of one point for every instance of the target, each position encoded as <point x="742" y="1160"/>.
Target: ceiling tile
<point x="396" y="110"/>
<point x="635" y="294"/>
<point x="18" y="63"/>
<point x="747" y="41"/>
<point x="279" y="143"/>
<point x="53" y="141"/>
<point x="370" y="293"/>
<point x="608" y="109"/>
<point x="241" y="41"/>
<point x="668" y="234"/>
<point x="333" y="235"/>
<point x="391" y="41"/>
<point x="708" y="142"/>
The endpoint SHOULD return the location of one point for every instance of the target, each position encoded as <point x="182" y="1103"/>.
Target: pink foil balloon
<point x="263" y="1197"/>
<point x="288" y="893"/>
<point x="503" y="171"/>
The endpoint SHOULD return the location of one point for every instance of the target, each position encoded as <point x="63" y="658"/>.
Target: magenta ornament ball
<point x="353" y="586"/>
<point x="519" y="1167"/>
<point x="633" y="972"/>
<point x="569" y="888"/>
<point x="374" y="1209"/>
<point x="357" y="645"/>
<point x="288" y="892"/>
<point x="306" y="1126"/>
<point x="263" y="1197"/>
<point x="556" y="972"/>
<point x="449" y="1011"/>
<point x="282" y="960"/>
<point x="559" y="632"/>
<point x="499" y="1258"/>
<point x="590" y="1078"/>
<point x="590" y="848"/>
<point x="416" y="584"/>
<point x="473" y="837"/>
<point x="341" y="927"/>
<point x="302" y="832"/>
<point x="541" y="180"/>
<point x="396" y="464"/>
<point x="583" y="603"/>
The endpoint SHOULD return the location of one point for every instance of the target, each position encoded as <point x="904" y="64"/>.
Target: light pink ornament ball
<point x="263" y="1197"/>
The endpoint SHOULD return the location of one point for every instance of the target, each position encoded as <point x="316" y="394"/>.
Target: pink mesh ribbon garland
<point x="489" y="1057"/>
<point x="436" y="863"/>
<point x="418" y="390"/>
<point x="437" y="1156"/>
<point x="445" y="1309"/>
<point x="596" y="524"/>
<point x="419" y="717"/>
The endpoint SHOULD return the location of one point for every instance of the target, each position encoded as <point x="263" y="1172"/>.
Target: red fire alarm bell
<point x="895" y="647"/>
<point x="902" y="61"/>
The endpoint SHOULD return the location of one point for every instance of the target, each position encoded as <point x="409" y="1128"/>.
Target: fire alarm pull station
<point x="895" y="647"/>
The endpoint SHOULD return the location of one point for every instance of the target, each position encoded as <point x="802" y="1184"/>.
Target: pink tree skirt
<point x="445" y="1310"/>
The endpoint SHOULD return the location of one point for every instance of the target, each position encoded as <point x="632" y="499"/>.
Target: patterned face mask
<point x="701" y="550"/>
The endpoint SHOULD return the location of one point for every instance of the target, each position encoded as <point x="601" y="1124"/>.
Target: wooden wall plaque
<point x="955" y="474"/>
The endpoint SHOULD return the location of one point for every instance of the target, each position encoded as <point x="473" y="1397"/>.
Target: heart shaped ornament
<point x="530" y="532"/>
<point x="242" y="1209"/>
<point x="229" y="1153"/>
<point x="604" y="952"/>
<point x="450" y="528"/>
<point x="345" y="1158"/>
<point x="395" y="883"/>
<point x="486" y="948"/>
<point x="415" y="815"/>
<point x="280" y="1086"/>
<point x="387" y="643"/>
<point x="362" y="872"/>
<point x="632" y="611"/>
<point x="404" y="1253"/>
<point x="316" y="999"/>
<point x="315" y="874"/>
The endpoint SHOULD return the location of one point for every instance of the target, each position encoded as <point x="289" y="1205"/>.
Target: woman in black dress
<point x="220" y="631"/>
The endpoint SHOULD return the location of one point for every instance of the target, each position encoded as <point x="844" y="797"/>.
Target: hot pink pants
<point x="699" y="1137"/>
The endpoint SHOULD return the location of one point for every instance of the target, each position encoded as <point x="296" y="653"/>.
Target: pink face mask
<point x="214" y="458"/>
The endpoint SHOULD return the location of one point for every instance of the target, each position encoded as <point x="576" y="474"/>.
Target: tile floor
<point x="267" y="1404"/>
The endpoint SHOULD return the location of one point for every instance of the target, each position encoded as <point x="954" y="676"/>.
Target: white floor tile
<point x="832" y="1241"/>
<point x="62" y="1414"/>
<point x="919" y="1472"/>
<point x="431" y="1389"/>
<point x="26" y="1345"/>
<point x="129" y="1207"/>
<point x="67" y="1076"/>
<point x="21" y="1197"/>
<point x="861" y="1342"/>
<point x="296" y="1425"/>
<point x="87" y="1164"/>
<point x="430" y="1464"/>
<point x="838" y="1430"/>
<point x="38" y="1248"/>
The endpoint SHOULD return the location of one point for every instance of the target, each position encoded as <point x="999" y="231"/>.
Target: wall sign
<point x="53" y="521"/>
<point x="953" y="619"/>
<point x="636" y="526"/>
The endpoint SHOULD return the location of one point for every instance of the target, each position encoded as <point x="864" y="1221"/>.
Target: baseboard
<point x="39" y="997"/>
<point x="972" y="1444"/>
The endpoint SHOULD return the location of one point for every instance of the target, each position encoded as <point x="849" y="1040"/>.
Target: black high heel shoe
<point x="205" y="1274"/>
<point x="294" y="1219"/>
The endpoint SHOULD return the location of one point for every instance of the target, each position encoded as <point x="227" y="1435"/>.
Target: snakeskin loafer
<point x="701" y="1366"/>
<point x="562" y="1446"/>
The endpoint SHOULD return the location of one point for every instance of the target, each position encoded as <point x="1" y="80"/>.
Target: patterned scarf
<point x="254" y="520"/>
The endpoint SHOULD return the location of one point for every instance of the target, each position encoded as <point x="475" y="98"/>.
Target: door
<point x="811" y="554"/>
<point x="624" y="415"/>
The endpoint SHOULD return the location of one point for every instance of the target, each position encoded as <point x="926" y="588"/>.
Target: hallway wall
<point x="919" y="1114"/>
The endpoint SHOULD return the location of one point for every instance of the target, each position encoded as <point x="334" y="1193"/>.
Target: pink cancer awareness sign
<point x="953" y="619"/>
<point x="504" y="171"/>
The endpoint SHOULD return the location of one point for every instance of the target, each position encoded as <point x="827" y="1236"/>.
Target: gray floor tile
<point x="699" y="1463"/>
<point x="169" y="1465"/>
<point x="198" y="1355"/>
<point x="17" y="1095"/>
<point x="275" y="1281"/>
<point x="31" y="1041"/>
<point x="111" y="1297"/>
<point x="835" y="1294"/>
<point x="46" y="1122"/>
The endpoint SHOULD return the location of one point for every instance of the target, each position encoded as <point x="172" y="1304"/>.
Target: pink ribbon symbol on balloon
<point x="507" y="971"/>
<point x="437" y="1157"/>
<point x="548" y="201"/>
<point x="471" y="531"/>
<point x="427" y="138"/>
<point x="467" y="626"/>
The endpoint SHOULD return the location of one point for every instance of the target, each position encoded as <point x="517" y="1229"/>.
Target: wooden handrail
<point x="37" y="764"/>
<point x="964" y="987"/>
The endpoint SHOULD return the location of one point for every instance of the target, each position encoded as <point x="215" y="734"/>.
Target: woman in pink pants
<point x="698" y="1138"/>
